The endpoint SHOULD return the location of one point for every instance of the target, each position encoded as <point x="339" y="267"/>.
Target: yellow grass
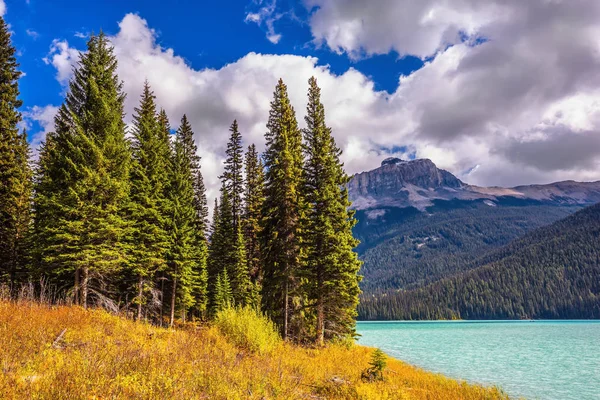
<point x="106" y="357"/>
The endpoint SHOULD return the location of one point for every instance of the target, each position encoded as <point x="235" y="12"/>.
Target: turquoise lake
<point x="554" y="360"/>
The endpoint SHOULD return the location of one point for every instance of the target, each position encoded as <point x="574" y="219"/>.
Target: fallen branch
<point x="58" y="339"/>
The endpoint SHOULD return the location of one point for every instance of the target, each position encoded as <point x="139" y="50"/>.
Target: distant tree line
<point x="122" y="220"/>
<point x="552" y="272"/>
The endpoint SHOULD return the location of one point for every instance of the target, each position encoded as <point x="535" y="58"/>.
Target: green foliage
<point x="332" y="265"/>
<point x="15" y="171"/>
<point x="254" y="198"/>
<point x="181" y="253"/>
<point x="550" y="273"/>
<point x="83" y="179"/>
<point x="232" y="177"/>
<point x="377" y="366"/>
<point x="407" y="248"/>
<point x="248" y="329"/>
<point x="282" y="250"/>
<point x="148" y="207"/>
<point x="223" y="295"/>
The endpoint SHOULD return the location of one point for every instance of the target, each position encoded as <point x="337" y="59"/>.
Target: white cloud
<point x="2" y="8"/>
<point x="44" y="117"/>
<point x="533" y="82"/>
<point x="63" y="58"/>
<point x="266" y="15"/>
<point x="31" y="33"/>
<point x="420" y="28"/>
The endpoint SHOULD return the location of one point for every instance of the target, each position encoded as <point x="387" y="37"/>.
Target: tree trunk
<point x="320" y="314"/>
<point x="139" y="299"/>
<point x="286" y="310"/>
<point x="162" y="299"/>
<point x="173" y="296"/>
<point x="84" y="287"/>
<point x="77" y="288"/>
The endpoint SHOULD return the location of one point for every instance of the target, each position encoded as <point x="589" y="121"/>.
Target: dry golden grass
<point x="106" y="357"/>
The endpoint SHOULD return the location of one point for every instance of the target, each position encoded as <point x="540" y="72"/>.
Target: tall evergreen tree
<point x="149" y="180"/>
<point x="232" y="177"/>
<point x="200" y="224"/>
<point x="221" y="250"/>
<point x="332" y="264"/>
<point x="243" y="294"/>
<point x="282" y="216"/>
<point x="251" y="221"/>
<point x="15" y="171"/>
<point x="86" y="177"/>
<point x="182" y="254"/>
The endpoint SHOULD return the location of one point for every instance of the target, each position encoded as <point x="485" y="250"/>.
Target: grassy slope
<point x="104" y="356"/>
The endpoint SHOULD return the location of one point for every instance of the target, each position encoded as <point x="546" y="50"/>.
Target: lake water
<point x="555" y="360"/>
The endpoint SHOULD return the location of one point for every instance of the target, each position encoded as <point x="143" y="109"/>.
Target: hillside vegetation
<point x="101" y="356"/>
<point x="553" y="272"/>
<point x="406" y="248"/>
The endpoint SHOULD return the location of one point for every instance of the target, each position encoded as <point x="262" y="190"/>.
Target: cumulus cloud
<point x="507" y="84"/>
<point x="63" y="58"/>
<point x="2" y="8"/>
<point x="521" y="106"/>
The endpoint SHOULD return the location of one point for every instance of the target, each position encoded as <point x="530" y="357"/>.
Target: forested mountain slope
<point x="409" y="248"/>
<point x="418" y="223"/>
<point x="553" y="272"/>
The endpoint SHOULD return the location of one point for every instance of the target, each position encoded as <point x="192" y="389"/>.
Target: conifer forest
<point x="117" y="217"/>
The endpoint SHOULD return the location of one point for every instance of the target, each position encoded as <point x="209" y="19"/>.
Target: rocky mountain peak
<point x="416" y="183"/>
<point x="391" y="161"/>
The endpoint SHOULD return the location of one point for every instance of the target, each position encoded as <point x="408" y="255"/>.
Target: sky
<point x="501" y="92"/>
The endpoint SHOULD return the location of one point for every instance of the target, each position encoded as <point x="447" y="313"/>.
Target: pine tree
<point x="243" y="293"/>
<point x="200" y="245"/>
<point x="332" y="264"/>
<point x="223" y="293"/>
<point x="182" y="254"/>
<point x="15" y="171"/>
<point x="85" y="182"/>
<point x="282" y="215"/>
<point x="221" y="249"/>
<point x="149" y="180"/>
<point x="232" y="177"/>
<point x="251" y="221"/>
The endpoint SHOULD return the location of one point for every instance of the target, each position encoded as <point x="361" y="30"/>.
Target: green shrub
<point x="249" y="329"/>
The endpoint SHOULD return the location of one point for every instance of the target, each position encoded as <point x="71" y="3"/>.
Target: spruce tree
<point x="243" y="294"/>
<point x="332" y="265"/>
<point x="149" y="181"/>
<point x="232" y="177"/>
<point x="221" y="249"/>
<point x="181" y="260"/>
<point x="223" y="293"/>
<point x="282" y="215"/>
<point x="15" y="171"/>
<point x="200" y="245"/>
<point x="251" y="221"/>
<point x="83" y="192"/>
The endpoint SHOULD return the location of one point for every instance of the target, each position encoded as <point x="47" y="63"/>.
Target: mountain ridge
<point x="417" y="183"/>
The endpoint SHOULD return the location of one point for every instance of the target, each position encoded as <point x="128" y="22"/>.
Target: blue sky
<point x="208" y="34"/>
<point x="501" y="92"/>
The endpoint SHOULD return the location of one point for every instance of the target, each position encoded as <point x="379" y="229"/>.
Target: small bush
<point x="249" y="329"/>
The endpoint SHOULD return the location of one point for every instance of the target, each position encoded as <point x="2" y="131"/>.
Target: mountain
<point x="418" y="223"/>
<point x="553" y="272"/>
<point x="418" y="183"/>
